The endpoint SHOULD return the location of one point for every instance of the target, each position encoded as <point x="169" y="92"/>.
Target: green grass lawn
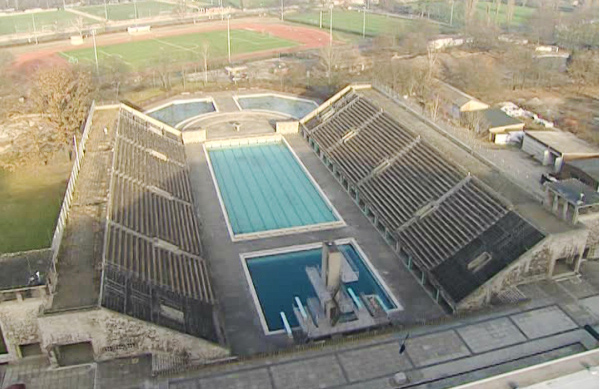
<point x="182" y="48"/>
<point x="44" y="22"/>
<point x="352" y="21"/>
<point x="252" y="3"/>
<point x="31" y="200"/>
<point x="126" y="11"/>
<point x="521" y="15"/>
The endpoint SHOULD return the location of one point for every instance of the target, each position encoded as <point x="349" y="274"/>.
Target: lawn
<point x="31" y="201"/>
<point x="521" y="15"/>
<point x="145" y="9"/>
<point x="44" y="22"/>
<point x="352" y="21"/>
<point x="182" y="48"/>
<point x="253" y="3"/>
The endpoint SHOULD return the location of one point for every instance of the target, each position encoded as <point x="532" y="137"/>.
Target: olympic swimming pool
<point x="264" y="189"/>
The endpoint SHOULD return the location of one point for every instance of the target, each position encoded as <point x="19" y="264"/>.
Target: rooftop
<point x="575" y="191"/>
<point x="588" y="166"/>
<point x="18" y="268"/>
<point x="496" y="117"/>
<point x="563" y="142"/>
<point x="453" y="94"/>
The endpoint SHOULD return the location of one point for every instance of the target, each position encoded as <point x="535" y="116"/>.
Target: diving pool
<point x="294" y="107"/>
<point x="176" y="112"/>
<point x="264" y="190"/>
<point x="277" y="279"/>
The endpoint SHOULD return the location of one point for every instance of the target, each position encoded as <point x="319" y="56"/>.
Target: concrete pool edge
<point x="235" y="98"/>
<point x="266" y="139"/>
<point x="244" y="257"/>
<point x="184" y="122"/>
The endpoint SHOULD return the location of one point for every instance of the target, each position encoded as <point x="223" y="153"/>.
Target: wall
<point x="287" y="127"/>
<point x="536" y="263"/>
<point x="193" y="136"/>
<point x="18" y="321"/>
<point x="116" y="335"/>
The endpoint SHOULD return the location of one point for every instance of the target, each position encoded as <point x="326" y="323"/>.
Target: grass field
<point x="182" y="48"/>
<point x="44" y="22"/>
<point x="31" y="200"/>
<point x="126" y="11"/>
<point x="521" y="15"/>
<point x="352" y="21"/>
<point x="253" y="3"/>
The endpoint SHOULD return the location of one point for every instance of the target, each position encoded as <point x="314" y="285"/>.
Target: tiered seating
<point x="182" y="273"/>
<point x="154" y="215"/>
<point x="419" y="177"/>
<point x="154" y="234"/>
<point x="139" y="164"/>
<point x="461" y="216"/>
<point x="141" y="133"/>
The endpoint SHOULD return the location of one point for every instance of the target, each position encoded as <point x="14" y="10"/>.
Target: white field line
<point x="176" y="46"/>
<point x="81" y="13"/>
<point x="114" y="55"/>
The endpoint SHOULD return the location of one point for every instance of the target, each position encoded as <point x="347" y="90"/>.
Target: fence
<point x="66" y="205"/>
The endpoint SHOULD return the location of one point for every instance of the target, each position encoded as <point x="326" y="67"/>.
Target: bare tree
<point x="79" y="25"/>
<point x="470" y="10"/>
<point x="474" y="121"/>
<point x="583" y="69"/>
<point x="328" y="60"/>
<point x="205" y="55"/>
<point x="62" y="95"/>
<point x="510" y="12"/>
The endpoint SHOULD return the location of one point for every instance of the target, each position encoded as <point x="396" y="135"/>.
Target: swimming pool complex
<point x="276" y="279"/>
<point x="264" y="189"/>
<point x="177" y="112"/>
<point x="292" y="106"/>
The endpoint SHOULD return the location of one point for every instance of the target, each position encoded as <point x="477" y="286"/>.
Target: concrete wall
<point x="287" y="127"/>
<point x="116" y="335"/>
<point x="18" y="322"/>
<point x="111" y="334"/>
<point x="537" y="263"/>
<point x="193" y="136"/>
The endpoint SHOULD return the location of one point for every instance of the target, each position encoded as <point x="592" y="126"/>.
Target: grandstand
<point x="454" y="230"/>
<point x="153" y="266"/>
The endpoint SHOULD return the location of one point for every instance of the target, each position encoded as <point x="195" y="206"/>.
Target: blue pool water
<point x="295" y="108"/>
<point x="279" y="278"/>
<point x="175" y="113"/>
<point x="264" y="188"/>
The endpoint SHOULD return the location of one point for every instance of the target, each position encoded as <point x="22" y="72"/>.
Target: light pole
<point x="228" y="40"/>
<point x="135" y="12"/>
<point x="364" y="21"/>
<point x="95" y="51"/>
<point x="331" y="25"/>
<point x="34" y="29"/>
<point x="281" y="10"/>
<point x="321" y="19"/>
<point x="105" y="10"/>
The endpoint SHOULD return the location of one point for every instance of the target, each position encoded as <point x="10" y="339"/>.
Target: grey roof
<point x="17" y="268"/>
<point x="496" y="117"/>
<point x="589" y="166"/>
<point x="572" y="189"/>
<point x="453" y="94"/>
<point x="563" y="142"/>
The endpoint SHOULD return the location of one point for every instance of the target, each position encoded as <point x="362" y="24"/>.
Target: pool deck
<point x="242" y="323"/>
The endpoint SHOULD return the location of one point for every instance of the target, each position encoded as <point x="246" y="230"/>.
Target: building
<point x="556" y="147"/>
<point x="468" y="235"/>
<point x="499" y="124"/>
<point x="584" y="170"/>
<point x="455" y="102"/>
